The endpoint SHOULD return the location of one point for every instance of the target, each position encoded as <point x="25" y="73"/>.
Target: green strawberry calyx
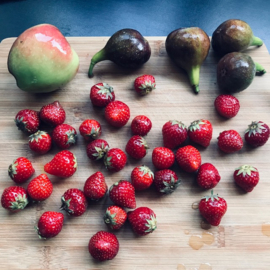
<point x="195" y="125"/>
<point x="146" y="170"/>
<point x="246" y="170"/>
<point x="94" y="133"/>
<point x="147" y="87"/>
<point x="144" y="143"/>
<point x="72" y="137"/>
<point x="255" y="127"/>
<point x="170" y="187"/>
<point x="36" y="136"/>
<point x="151" y="224"/>
<point x="12" y="169"/>
<point x="65" y="205"/>
<point x="39" y="236"/>
<point x="75" y="162"/>
<point x="179" y="123"/>
<point x="105" y="89"/>
<point x="115" y="184"/>
<point x="110" y="219"/>
<point x="212" y="197"/>
<point x="20" y="202"/>
<point x="107" y="162"/>
<point x="22" y="125"/>
<point x="100" y="151"/>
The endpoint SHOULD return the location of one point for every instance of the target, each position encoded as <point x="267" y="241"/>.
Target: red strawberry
<point x="230" y="141"/>
<point x="145" y="84"/>
<point x="246" y="177"/>
<point x="257" y="134"/>
<point x="143" y="220"/>
<point x="117" y="113"/>
<point x="200" y="132"/>
<point x="137" y="147"/>
<point x="115" y="217"/>
<point x="40" y="142"/>
<point x="103" y="246"/>
<point x="40" y="188"/>
<point x="74" y="202"/>
<point x="166" y="181"/>
<point x="95" y="187"/>
<point x="141" y="125"/>
<point x="213" y="208"/>
<point x="64" y="136"/>
<point x="27" y="121"/>
<point x="208" y="176"/>
<point x="20" y="170"/>
<point x="122" y="193"/>
<point x="14" y="198"/>
<point x="90" y="129"/>
<point x="115" y="160"/>
<point x="188" y="158"/>
<point x="53" y="114"/>
<point x="162" y="158"/>
<point x="227" y="105"/>
<point x="50" y="224"/>
<point x="64" y="164"/>
<point x="174" y="134"/>
<point x="97" y="149"/>
<point x="141" y="177"/>
<point x="101" y="94"/>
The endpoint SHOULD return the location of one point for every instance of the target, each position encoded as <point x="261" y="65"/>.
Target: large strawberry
<point x="141" y="125"/>
<point x="115" y="160"/>
<point x="141" y="177"/>
<point x="64" y="136"/>
<point x="162" y="158"/>
<point x="227" y="105"/>
<point x="137" y="147"/>
<point x="144" y="84"/>
<point x="101" y="94"/>
<point x="208" y="176"/>
<point x="40" y="142"/>
<point x="230" y="141"/>
<point x="97" y="149"/>
<point x="166" y="181"/>
<point x="115" y="217"/>
<point x="90" y="129"/>
<point x="27" y="121"/>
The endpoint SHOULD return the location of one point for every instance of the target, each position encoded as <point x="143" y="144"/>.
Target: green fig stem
<point x="194" y="77"/>
<point x="259" y="69"/>
<point x="256" y="42"/>
<point x="98" y="57"/>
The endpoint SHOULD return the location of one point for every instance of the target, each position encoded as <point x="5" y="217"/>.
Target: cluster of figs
<point x="188" y="48"/>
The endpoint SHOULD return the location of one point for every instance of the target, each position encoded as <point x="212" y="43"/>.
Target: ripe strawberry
<point x="14" y="198"/>
<point x="145" y="84"/>
<point x="166" y="181"/>
<point x="117" y="113"/>
<point x="200" y="132"/>
<point x="50" y="224"/>
<point x="122" y="193"/>
<point x="143" y="220"/>
<point x="174" y="134"/>
<point x="101" y="94"/>
<point x="141" y="177"/>
<point x="95" y="187"/>
<point x="103" y="246"/>
<point x="40" y="188"/>
<point x="246" y="177"/>
<point x="74" y="202"/>
<point x="53" y="114"/>
<point x="115" y="217"/>
<point x="230" y="141"/>
<point x="20" y="170"/>
<point x="40" y="142"/>
<point x="137" y="147"/>
<point x="227" y="105"/>
<point x="208" y="176"/>
<point x="64" y="136"/>
<point x="141" y="125"/>
<point x="64" y="164"/>
<point x="97" y="149"/>
<point x="27" y="121"/>
<point x="188" y="158"/>
<point x="90" y="129"/>
<point x="162" y="158"/>
<point x="213" y="208"/>
<point x="257" y="134"/>
<point x="115" y="160"/>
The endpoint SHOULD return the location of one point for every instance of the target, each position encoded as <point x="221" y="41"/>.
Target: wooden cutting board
<point x="242" y="241"/>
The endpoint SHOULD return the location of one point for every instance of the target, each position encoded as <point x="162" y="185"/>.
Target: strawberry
<point x="40" y="142"/>
<point x="27" y="121"/>
<point x="200" y="132"/>
<point x="115" y="217"/>
<point x="90" y="129"/>
<point x="50" y="224"/>
<point x="137" y="147"/>
<point x="95" y="187"/>
<point x="101" y="94"/>
<point x="141" y="125"/>
<point x="143" y="220"/>
<point x="141" y="177"/>
<point x="188" y="158"/>
<point x="103" y="246"/>
<point x="53" y="114"/>
<point x="208" y="176"/>
<point x="162" y="158"/>
<point x="246" y="177"/>
<point x="14" y="198"/>
<point x="166" y="181"/>
<point x="64" y="164"/>
<point x="174" y="134"/>
<point x="122" y="193"/>
<point x="64" y="136"/>
<point x="213" y="208"/>
<point x="257" y="134"/>
<point x="40" y="188"/>
<point x="227" y="105"/>
<point x="144" y="84"/>
<point x="97" y="149"/>
<point x="115" y="160"/>
<point x="74" y="202"/>
<point x="117" y="113"/>
<point x="20" y="170"/>
<point x="230" y="141"/>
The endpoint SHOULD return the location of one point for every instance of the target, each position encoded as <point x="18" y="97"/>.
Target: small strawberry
<point x="162" y="158"/>
<point x="208" y="176"/>
<point x="143" y="220"/>
<point x="101" y="94"/>
<point x="144" y="84"/>
<point x="64" y="136"/>
<point x="230" y="141"/>
<point x="166" y="181"/>
<point x="137" y="147"/>
<point x="141" y="177"/>
<point x="117" y="113"/>
<point x="103" y="246"/>
<point x="27" y="121"/>
<point x="115" y="217"/>
<point x="122" y="193"/>
<point x="141" y="125"/>
<point x="53" y="114"/>
<point x="227" y="105"/>
<point x="64" y="164"/>
<point x="90" y="129"/>
<point x="20" y="170"/>
<point x="115" y="160"/>
<point x="97" y="149"/>
<point x="40" y="142"/>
